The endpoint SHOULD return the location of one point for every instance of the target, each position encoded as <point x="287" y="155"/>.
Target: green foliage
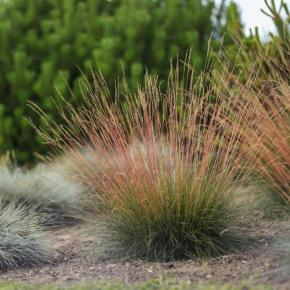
<point x="22" y="241"/>
<point x="247" y="53"/>
<point x="233" y="24"/>
<point x="275" y="13"/>
<point x="44" y="45"/>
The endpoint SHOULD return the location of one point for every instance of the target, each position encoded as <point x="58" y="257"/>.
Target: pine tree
<point x="50" y="43"/>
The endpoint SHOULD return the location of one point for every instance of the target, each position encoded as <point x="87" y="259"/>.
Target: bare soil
<point x="74" y="260"/>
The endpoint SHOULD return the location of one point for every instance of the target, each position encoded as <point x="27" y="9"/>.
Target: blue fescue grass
<point x="22" y="240"/>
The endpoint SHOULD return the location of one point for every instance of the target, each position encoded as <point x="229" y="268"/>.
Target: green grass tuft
<point x="172" y="215"/>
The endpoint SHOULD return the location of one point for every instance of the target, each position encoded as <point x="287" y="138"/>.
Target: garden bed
<point x="74" y="260"/>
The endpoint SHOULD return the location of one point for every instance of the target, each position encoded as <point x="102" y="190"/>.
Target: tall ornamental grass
<point x="162" y="167"/>
<point x="262" y="116"/>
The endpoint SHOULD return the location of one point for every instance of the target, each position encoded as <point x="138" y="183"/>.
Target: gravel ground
<point x="74" y="260"/>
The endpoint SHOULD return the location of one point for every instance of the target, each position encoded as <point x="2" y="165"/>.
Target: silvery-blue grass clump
<point x="22" y="240"/>
<point x="47" y="188"/>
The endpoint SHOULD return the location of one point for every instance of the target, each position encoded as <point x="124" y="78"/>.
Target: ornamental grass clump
<point x="262" y="116"/>
<point x="46" y="188"/>
<point x="22" y="240"/>
<point x="163" y="173"/>
<point x="271" y="151"/>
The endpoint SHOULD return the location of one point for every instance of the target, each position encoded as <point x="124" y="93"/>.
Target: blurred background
<point x="47" y="47"/>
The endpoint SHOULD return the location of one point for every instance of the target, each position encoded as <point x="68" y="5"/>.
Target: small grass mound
<point x="22" y="240"/>
<point x="45" y="189"/>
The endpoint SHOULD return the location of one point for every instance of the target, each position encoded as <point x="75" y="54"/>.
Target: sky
<point x="252" y="15"/>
